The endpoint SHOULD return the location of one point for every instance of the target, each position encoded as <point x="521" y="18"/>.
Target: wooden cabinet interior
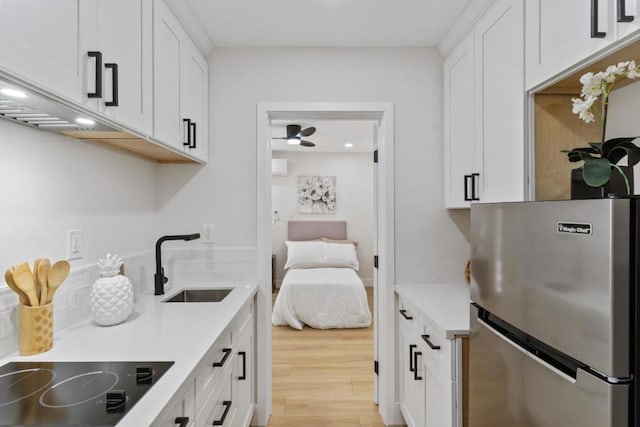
<point x="557" y="128"/>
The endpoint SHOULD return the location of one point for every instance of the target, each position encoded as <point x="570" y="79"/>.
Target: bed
<point x="321" y="288"/>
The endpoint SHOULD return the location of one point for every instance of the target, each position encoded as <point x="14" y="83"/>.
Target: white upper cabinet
<point x="45" y="42"/>
<point x="125" y="41"/>
<point x="484" y="101"/>
<point x="500" y="99"/>
<point x="459" y="123"/>
<point x="180" y="87"/>
<point x="560" y="34"/>
<point x="627" y="19"/>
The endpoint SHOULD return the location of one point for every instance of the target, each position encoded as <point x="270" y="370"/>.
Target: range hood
<point x="23" y="104"/>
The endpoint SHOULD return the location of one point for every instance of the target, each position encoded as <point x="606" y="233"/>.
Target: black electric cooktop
<point x="73" y="393"/>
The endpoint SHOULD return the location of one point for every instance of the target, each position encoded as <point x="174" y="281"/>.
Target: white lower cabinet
<point x="221" y="390"/>
<point x="427" y="367"/>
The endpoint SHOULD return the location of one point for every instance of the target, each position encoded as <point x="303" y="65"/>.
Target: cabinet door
<point x="439" y="396"/>
<point x="628" y="21"/>
<point x="195" y="97"/>
<point x="125" y="39"/>
<point x="459" y="124"/>
<point x="243" y="380"/>
<point x="44" y="42"/>
<point x="500" y="99"/>
<point x="559" y="34"/>
<point x="412" y="387"/>
<point x="168" y="37"/>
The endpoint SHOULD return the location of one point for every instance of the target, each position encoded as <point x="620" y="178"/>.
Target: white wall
<point x="430" y="243"/>
<point x="354" y="200"/>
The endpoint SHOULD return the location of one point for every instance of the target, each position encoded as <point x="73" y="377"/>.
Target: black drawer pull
<point x="114" y="86"/>
<point x="227" y="353"/>
<point x="98" y="80"/>
<point x="181" y="421"/>
<point x="193" y="126"/>
<point x="466" y="188"/>
<point x="404" y="314"/>
<point x="595" y="34"/>
<point x="227" y="406"/>
<point x="429" y="343"/>
<point x="415" y="362"/>
<point x="474" y="197"/>
<point x="411" y="347"/>
<point x="187" y="132"/>
<point x="244" y="365"/>
<point x="622" y="14"/>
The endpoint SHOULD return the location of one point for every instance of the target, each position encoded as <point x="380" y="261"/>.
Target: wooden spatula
<point x="36" y="262"/>
<point x="23" y="278"/>
<point x="8" y="277"/>
<point x="57" y="274"/>
<point x="43" y="274"/>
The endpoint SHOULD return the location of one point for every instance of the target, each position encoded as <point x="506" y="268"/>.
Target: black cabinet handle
<point x="227" y="352"/>
<point x="181" y="421"/>
<point x="227" y="406"/>
<point x="404" y="314"/>
<point x="415" y="363"/>
<point x="466" y="188"/>
<point x="193" y="126"/>
<point x="114" y="87"/>
<point x="98" y="56"/>
<point x="187" y="132"/>
<point x="244" y="365"/>
<point x="429" y="343"/>
<point x="622" y="13"/>
<point x="411" y="347"/>
<point x="474" y="196"/>
<point x="595" y="34"/>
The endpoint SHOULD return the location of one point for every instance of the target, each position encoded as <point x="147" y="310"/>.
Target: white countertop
<point x="446" y="304"/>
<point x="178" y="332"/>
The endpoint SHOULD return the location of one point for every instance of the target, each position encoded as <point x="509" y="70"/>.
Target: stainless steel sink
<point x="200" y="295"/>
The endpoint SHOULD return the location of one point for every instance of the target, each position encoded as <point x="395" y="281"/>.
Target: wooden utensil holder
<point x="36" y="328"/>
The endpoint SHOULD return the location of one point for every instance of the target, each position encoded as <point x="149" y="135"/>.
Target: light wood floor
<point x="323" y="377"/>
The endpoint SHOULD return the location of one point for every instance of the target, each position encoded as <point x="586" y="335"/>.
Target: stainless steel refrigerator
<point x="554" y="314"/>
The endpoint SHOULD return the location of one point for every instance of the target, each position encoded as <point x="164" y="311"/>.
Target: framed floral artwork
<point x="317" y="194"/>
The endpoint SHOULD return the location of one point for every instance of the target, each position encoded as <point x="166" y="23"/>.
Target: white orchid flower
<point x="582" y="107"/>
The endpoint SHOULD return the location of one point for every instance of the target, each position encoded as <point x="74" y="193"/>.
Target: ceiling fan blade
<point x="308" y="131"/>
<point x="307" y="143"/>
<point x="293" y="130"/>
<point x="279" y="137"/>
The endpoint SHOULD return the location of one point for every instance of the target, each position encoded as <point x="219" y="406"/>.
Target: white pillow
<point x="304" y="254"/>
<point x="340" y="255"/>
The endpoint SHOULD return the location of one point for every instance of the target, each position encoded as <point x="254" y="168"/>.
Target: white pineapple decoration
<point x="111" y="294"/>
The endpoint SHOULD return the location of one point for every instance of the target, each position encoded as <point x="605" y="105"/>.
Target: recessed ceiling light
<point x="13" y="93"/>
<point x="83" y="121"/>
<point x="293" y="141"/>
<point x="348" y="145"/>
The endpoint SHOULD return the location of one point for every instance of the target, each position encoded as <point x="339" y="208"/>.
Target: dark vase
<point x="615" y="186"/>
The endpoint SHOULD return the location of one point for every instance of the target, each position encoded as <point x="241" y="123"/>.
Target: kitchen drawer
<point x="409" y="316"/>
<point x="211" y="367"/>
<point x="242" y="321"/>
<point x="443" y="356"/>
<point x="181" y="406"/>
<point x="217" y="404"/>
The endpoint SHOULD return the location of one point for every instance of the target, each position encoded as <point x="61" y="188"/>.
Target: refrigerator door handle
<point x="528" y="354"/>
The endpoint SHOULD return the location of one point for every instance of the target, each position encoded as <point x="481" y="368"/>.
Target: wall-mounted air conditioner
<point x="279" y="167"/>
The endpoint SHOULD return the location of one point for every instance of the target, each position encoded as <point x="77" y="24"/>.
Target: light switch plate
<point x="75" y="244"/>
<point x="207" y="233"/>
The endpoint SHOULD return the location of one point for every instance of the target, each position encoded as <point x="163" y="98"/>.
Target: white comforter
<point x="322" y="298"/>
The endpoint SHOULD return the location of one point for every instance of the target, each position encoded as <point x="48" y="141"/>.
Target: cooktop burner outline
<point x="100" y="393"/>
<point x="34" y="370"/>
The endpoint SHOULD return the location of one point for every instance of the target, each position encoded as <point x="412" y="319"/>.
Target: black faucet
<point x="159" y="277"/>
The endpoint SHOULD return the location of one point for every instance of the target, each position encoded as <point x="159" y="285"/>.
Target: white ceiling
<point x="330" y="135"/>
<point x="327" y="23"/>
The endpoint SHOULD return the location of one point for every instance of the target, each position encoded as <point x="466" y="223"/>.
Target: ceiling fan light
<point x="293" y="141"/>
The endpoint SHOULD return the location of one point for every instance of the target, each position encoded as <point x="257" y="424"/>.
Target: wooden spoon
<point x="23" y="278"/>
<point x="43" y="273"/>
<point x="8" y="277"/>
<point x="57" y="274"/>
<point x="36" y="262"/>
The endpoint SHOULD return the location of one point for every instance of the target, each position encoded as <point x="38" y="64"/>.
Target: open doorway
<point x="383" y="301"/>
<point x="323" y="232"/>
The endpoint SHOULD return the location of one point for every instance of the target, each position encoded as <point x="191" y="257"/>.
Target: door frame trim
<point x="384" y="112"/>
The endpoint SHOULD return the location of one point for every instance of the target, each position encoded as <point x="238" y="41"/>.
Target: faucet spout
<point x="159" y="277"/>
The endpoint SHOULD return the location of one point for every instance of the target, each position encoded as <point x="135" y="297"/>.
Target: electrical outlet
<point x="75" y="244"/>
<point x="207" y="233"/>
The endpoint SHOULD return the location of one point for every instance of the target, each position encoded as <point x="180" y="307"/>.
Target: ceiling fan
<point x="295" y="134"/>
